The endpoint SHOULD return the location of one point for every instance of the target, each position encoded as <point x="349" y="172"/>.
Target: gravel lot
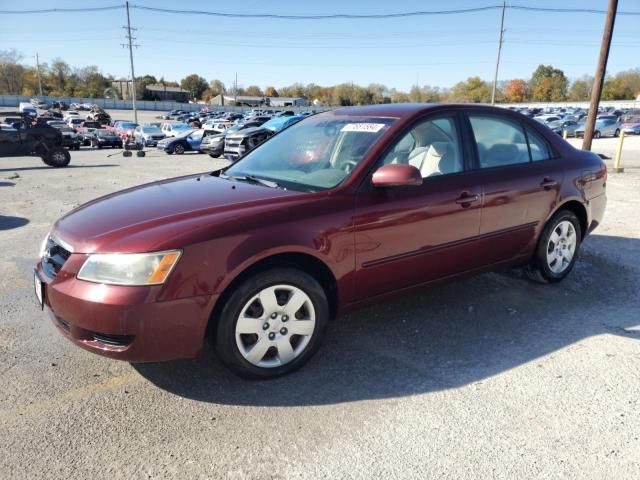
<point x="490" y="377"/>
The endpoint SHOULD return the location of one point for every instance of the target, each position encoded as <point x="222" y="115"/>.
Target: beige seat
<point x="437" y="159"/>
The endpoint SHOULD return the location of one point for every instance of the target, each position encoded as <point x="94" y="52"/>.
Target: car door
<point x="9" y="141"/>
<point x="520" y="184"/>
<point x="410" y="235"/>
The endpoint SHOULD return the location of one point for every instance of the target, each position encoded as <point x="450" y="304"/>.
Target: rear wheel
<point x="272" y="323"/>
<point x="596" y="134"/>
<point x="557" y="249"/>
<point x="57" y="157"/>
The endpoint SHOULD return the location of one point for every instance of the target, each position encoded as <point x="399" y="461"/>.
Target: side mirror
<point x="396" y="175"/>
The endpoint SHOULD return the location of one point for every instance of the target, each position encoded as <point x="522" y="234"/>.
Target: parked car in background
<point x="85" y="135"/>
<point x="105" y="138"/>
<point x="74" y="122"/>
<point x="173" y="129"/>
<point x="71" y="113"/>
<point x="603" y="128"/>
<point x="213" y="143"/>
<point x="125" y="129"/>
<point x="218" y="126"/>
<point x="243" y="141"/>
<point x="186" y="142"/>
<point x="56" y="123"/>
<point x="90" y="124"/>
<point x="340" y="210"/>
<point x="631" y="126"/>
<point x="70" y="138"/>
<point x="148" y="135"/>
<point x="560" y="126"/>
<point x="27" y="108"/>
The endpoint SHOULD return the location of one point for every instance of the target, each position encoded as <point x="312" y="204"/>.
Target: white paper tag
<point x="363" y="127"/>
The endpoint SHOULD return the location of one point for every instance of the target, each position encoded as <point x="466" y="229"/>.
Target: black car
<point x="105" y="138"/>
<point x="70" y="139"/>
<point x="86" y="134"/>
<point x="23" y="138"/>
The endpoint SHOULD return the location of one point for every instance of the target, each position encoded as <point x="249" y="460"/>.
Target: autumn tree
<point x="11" y="72"/>
<point x="516" y="91"/>
<point x="548" y="84"/>
<point x="271" y="92"/>
<point x="253" y="91"/>
<point x="195" y="85"/>
<point x="141" y="87"/>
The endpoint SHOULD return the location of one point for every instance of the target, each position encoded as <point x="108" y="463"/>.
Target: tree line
<point x="546" y="84"/>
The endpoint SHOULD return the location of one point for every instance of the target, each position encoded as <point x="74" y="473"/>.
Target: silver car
<point x="604" y="128"/>
<point x="148" y="135"/>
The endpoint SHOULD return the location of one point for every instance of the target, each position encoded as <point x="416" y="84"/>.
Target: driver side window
<point x="432" y="146"/>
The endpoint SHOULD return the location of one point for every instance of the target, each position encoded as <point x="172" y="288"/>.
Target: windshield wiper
<point x="253" y="179"/>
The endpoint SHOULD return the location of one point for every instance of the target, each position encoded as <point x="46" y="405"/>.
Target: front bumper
<point x="125" y="323"/>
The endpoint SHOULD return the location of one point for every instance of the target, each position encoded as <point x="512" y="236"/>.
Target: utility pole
<point x="500" y="42"/>
<point x="235" y="91"/>
<point x="598" y="81"/>
<point x="39" y="79"/>
<point x="133" y="75"/>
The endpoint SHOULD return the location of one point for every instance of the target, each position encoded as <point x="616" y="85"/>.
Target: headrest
<point x="438" y="149"/>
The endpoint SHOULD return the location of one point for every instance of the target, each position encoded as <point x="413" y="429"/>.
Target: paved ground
<point x="491" y="377"/>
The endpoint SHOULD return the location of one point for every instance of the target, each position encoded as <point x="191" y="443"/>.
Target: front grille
<point x="113" y="340"/>
<point x="232" y="142"/>
<point x="157" y="137"/>
<point x="63" y="324"/>
<point x="54" y="258"/>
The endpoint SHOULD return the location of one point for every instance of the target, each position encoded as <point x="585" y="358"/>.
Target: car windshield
<point x="185" y="134"/>
<point x="181" y="126"/>
<point x="105" y="133"/>
<point x="151" y="130"/>
<point x="127" y="125"/>
<point x="314" y="154"/>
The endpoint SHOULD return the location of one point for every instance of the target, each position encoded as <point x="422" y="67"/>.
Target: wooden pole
<point x="598" y="81"/>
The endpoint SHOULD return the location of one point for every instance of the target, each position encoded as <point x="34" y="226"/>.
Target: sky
<point x="400" y="52"/>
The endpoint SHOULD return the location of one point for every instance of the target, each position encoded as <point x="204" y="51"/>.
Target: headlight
<point x="129" y="268"/>
<point x="43" y="246"/>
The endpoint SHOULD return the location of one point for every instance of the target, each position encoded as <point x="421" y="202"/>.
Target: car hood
<point x="164" y="215"/>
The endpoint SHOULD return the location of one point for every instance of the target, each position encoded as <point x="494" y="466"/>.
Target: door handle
<point x="547" y="183"/>
<point x="466" y="198"/>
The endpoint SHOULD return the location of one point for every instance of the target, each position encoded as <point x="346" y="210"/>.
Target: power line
<point x="330" y="16"/>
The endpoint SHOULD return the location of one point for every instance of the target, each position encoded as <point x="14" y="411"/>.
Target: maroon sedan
<point x="337" y="211"/>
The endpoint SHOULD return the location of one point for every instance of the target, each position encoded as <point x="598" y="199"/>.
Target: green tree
<point x="195" y="85"/>
<point x="580" y="89"/>
<point x="141" y="87"/>
<point x="623" y="86"/>
<point x="216" y="87"/>
<point x="548" y="84"/>
<point x="473" y="90"/>
<point x="58" y="79"/>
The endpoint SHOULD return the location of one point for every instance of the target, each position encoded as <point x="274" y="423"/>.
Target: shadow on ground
<point x="44" y="167"/>
<point x="8" y="223"/>
<point x="444" y="337"/>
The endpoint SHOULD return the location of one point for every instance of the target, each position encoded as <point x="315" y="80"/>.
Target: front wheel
<point x="616" y="133"/>
<point x="596" y="134"/>
<point x="178" y="149"/>
<point x="57" y="157"/>
<point x="272" y="323"/>
<point x="557" y="249"/>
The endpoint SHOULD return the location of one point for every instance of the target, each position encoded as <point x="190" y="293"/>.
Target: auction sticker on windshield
<point x="363" y="127"/>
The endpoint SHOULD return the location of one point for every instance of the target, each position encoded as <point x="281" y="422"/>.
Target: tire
<point x="127" y="153"/>
<point x="272" y="333"/>
<point x="213" y="156"/>
<point x="616" y="133"/>
<point x="542" y="267"/>
<point x="57" y="157"/>
<point x="178" y="149"/>
<point x="596" y="134"/>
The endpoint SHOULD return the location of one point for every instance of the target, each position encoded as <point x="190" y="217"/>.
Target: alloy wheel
<point x="275" y="326"/>
<point x="561" y="247"/>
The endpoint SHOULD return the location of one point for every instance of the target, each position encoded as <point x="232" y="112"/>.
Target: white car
<point x="218" y="126"/>
<point x="71" y="113"/>
<point x="174" y="129"/>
